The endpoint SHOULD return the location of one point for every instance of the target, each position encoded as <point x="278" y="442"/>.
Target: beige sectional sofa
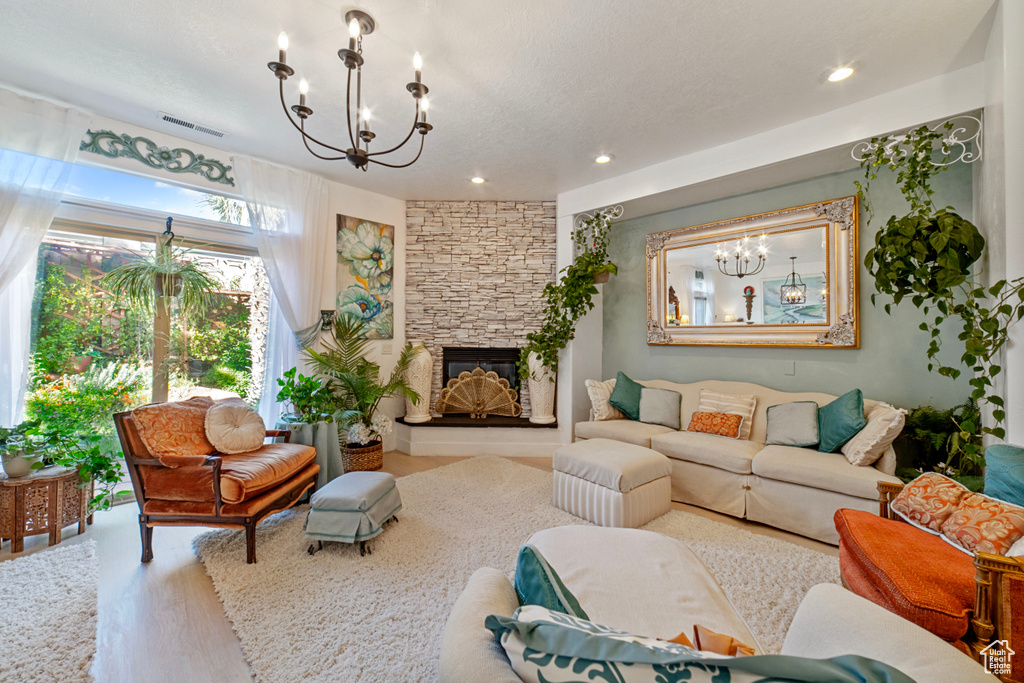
<point x="796" y="489"/>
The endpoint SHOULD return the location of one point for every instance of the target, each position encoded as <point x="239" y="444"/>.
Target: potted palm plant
<point x="360" y="389"/>
<point x="150" y="283"/>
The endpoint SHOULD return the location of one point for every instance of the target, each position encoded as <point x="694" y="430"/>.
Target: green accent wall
<point x="890" y="365"/>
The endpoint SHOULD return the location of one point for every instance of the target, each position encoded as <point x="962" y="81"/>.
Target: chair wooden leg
<point x="250" y="541"/>
<point x="146" y="532"/>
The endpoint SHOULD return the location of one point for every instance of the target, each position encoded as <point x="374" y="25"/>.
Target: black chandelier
<point x="742" y="266"/>
<point x="793" y="290"/>
<point x="358" y="154"/>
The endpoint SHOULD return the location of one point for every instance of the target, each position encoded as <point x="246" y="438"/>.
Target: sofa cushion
<point x="177" y="428"/>
<point x="720" y="424"/>
<point x="627" y="431"/>
<point x="928" y="501"/>
<point x="840" y="420"/>
<point x="909" y="572"/>
<point x="599" y="393"/>
<point x="827" y="471"/>
<point x="885" y="422"/>
<point x="612" y="464"/>
<point x="732" y="455"/>
<point x="234" y="428"/>
<point x="660" y="407"/>
<point x="736" y="404"/>
<point x="793" y="424"/>
<point x="984" y="524"/>
<point x="626" y="396"/>
<point x="537" y="583"/>
<point x="242" y="476"/>
<point x="1004" y="473"/>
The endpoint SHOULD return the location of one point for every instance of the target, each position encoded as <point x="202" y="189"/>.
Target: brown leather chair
<point x="226" y="491"/>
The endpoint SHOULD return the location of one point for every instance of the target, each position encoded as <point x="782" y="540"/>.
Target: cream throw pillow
<point x="731" y="404"/>
<point x="234" y="428"/>
<point x="599" y="393"/>
<point x="885" y="422"/>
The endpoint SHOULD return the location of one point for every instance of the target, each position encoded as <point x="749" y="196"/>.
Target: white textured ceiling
<point x="523" y="92"/>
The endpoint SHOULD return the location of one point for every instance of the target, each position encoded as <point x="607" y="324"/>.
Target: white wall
<point x="724" y="166"/>
<point x="1000" y="177"/>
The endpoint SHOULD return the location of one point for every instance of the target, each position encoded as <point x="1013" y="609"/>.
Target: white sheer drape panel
<point x="282" y="353"/>
<point x="289" y="216"/>
<point x="15" y="311"/>
<point x="38" y="142"/>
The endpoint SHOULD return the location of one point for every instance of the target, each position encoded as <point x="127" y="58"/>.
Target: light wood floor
<point x="162" y="622"/>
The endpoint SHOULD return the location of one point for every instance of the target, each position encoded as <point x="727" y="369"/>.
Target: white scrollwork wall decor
<point x="962" y="142"/>
<point x="612" y="212"/>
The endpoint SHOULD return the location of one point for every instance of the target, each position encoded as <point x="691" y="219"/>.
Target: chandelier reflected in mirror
<point x="358" y="152"/>
<point x="741" y="267"/>
<point x="793" y="291"/>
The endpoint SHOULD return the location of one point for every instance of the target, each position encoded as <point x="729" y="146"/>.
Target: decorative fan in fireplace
<point x="480" y="394"/>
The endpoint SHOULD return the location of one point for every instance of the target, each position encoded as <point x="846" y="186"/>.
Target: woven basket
<point x="363" y="458"/>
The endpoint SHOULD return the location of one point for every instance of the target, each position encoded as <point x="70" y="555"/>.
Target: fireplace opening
<point x="501" y="361"/>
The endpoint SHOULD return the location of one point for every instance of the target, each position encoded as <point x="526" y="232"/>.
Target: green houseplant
<point x="933" y="441"/>
<point x="927" y="256"/>
<point x="359" y="389"/>
<point x="150" y="283"/>
<point x="571" y="297"/>
<point x="21" y="446"/>
<point x="95" y="463"/>
<point x="311" y="399"/>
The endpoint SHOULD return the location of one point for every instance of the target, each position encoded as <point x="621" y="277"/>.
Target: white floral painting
<point x="366" y="266"/>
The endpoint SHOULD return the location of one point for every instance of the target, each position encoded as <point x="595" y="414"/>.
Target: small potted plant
<point x="359" y="389"/>
<point x="312" y="400"/>
<point x="21" y="448"/>
<point x="97" y="467"/>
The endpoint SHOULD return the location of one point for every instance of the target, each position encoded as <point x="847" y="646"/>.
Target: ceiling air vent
<point x="191" y="125"/>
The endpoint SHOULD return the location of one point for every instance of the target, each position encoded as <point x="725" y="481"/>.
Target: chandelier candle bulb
<point x="353" y="33"/>
<point x="417" y="63"/>
<point x="303" y="89"/>
<point x="282" y="47"/>
<point x="425" y="105"/>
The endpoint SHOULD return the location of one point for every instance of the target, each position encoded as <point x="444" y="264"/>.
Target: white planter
<point x="419" y="376"/>
<point x="17" y="465"/>
<point x="542" y="391"/>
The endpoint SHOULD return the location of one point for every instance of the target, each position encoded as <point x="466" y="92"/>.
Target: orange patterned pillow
<point x="928" y="501"/>
<point x="720" y="424"/>
<point x="983" y="524"/>
<point x="175" y="428"/>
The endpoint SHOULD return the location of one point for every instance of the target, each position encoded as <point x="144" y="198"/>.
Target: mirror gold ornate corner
<point x="782" y="278"/>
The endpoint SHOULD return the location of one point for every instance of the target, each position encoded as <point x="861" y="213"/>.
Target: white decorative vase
<point x="542" y="391"/>
<point x="419" y="376"/>
<point x="17" y="465"/>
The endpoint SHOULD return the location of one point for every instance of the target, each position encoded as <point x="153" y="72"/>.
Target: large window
<point x="91" y="356"/>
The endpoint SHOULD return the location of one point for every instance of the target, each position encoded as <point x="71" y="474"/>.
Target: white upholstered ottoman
<point x="611" y="483"/>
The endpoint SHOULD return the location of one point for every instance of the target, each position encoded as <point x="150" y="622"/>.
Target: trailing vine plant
<point x="926" y="256"/>
<point x="571" y="297"/>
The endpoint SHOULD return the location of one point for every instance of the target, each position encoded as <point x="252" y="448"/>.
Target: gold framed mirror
<point x="782" y="278"/>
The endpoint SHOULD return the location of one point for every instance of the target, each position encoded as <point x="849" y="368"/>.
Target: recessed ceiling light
<point x="840" y="74"/>
<point x="603" y="159"/>
<point x="478" y="180"/>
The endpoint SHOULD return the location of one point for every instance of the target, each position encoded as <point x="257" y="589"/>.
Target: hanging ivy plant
<point x="571" y="298"/>
<point x="926" y="256"/>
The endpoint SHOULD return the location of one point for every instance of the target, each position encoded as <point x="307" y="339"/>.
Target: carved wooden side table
<point x="43" y="502"/>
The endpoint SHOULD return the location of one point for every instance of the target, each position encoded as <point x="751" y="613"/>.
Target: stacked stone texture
<point x="475" y="272"/>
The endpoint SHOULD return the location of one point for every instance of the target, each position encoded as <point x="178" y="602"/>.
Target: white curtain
<point x="288" y="211"/>
<point x="38" y="142"/>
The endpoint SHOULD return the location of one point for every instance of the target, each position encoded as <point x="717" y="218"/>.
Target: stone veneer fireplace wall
<point x="474" y="275"/>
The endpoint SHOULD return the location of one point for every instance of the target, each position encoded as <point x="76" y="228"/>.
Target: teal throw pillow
<point x="537" y="583"/>
<point x="840" y="420"/>
<point x="1004" y="473"/>
<point x="626" y="396"/>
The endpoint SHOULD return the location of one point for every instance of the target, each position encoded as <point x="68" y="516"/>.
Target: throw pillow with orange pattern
<point x="983" y="524"/>
<point x="719" y="424"/>
<point x="734" y="404"/>
<point x="175" y="428"/>
<point x="928" y="501"/>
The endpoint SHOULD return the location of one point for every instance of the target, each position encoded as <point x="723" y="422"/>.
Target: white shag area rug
<point x="48" y="604"/>
<point x="337" y="616"/>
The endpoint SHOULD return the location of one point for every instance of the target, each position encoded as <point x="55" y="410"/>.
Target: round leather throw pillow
<point x="233" y="428"/>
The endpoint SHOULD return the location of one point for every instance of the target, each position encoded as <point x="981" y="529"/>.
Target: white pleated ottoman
<point x="611" y="483"/>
